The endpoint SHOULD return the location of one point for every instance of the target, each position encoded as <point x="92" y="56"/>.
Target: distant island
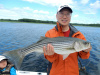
<point x="47" y="22"/>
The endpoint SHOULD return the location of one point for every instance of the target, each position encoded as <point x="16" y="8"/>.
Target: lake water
<point x="20" y="35"/>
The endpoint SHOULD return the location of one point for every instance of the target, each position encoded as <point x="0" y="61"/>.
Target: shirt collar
<point x="3" y="69"/>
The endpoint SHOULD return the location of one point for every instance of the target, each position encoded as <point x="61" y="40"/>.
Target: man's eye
<point x="60" y="13"/>
<point x="68" y="14"/>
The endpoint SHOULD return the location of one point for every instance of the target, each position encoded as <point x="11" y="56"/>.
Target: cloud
<point x="76" y="15"/>
<point x="27" y="8"/>
<point x="18" y="9"/>
<point x="92" y="8"/>
<point x="95" y="5"/>
<point x="78" y="21"/>
<point x="89" y="11"/>
<point x="52" y="2"/>
<point x="1" y="6"/>
<point x="98" y="22"/>
<point x="84" y="1"/>
<point x="8" y="14"/>
<point x="41" y="11"/>
<point x="26" y="12"/>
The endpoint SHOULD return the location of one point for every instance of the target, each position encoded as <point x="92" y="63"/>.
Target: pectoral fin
<point x="76" y="46"/>
<point x="65" y="56"/>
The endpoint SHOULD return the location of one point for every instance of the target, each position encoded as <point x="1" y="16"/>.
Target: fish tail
<point x="15" y="57"/>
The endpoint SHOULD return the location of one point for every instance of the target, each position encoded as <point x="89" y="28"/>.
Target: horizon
<point x="84" y="11"/>
<point x="45" y="20"/>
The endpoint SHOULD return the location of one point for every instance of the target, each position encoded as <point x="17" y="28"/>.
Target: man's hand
<point x="49" y="51"/>
<point x="87" y="50"/>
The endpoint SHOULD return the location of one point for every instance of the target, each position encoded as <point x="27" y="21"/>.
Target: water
<point x="20" y="35"/>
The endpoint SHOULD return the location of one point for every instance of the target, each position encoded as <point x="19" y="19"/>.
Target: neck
<point x="65" y="28"/>
<point x="1" y="68"/>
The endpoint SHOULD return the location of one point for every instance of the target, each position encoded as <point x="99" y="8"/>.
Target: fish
<point x="62" y="45"/>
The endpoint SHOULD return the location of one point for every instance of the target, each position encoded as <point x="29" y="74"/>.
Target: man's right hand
<point x="49" y="51"/>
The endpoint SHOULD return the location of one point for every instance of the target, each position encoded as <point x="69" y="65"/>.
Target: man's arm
<point x="85" y="53"/>
<point x="49" y="53"/>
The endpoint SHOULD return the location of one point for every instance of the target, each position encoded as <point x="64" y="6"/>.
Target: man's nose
<point x="64" y="16"/>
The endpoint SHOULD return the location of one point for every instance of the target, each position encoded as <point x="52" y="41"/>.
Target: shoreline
<point x="25" y="22"/>
<point x="85" y="25"/>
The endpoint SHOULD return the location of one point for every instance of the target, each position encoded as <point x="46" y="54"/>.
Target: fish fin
<point x="42" y="38"/>
<point x="76" y="46"/>
<point x="65" y="56"/>
<point x="15" y="57"/>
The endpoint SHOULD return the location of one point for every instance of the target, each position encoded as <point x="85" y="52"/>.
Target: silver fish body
<point x="62" y="45"/>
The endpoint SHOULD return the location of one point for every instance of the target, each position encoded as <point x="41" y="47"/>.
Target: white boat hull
<point x="30" y="73"/>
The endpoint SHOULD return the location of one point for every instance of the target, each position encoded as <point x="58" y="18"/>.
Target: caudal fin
<point x="15" y="57"/>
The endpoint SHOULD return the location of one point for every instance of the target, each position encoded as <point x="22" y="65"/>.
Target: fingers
<point x="44" y="50"/>
<point x="52" y="49"/>
<point x="87" y="50"/>
<point x="49" y="51"/>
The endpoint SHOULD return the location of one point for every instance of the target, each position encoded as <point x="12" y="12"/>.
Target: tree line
<point x="48" y="22"/>
<point x="29" y="20"/>
<point x="94" y="25"/>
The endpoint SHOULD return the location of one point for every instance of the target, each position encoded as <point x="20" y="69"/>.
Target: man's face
<point x="3" y="64"/>
<point x="64" y="17"/>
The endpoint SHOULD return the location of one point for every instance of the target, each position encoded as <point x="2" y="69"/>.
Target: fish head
<point x="81" y="45"/>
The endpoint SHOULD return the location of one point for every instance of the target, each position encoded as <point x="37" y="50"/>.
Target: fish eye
<point x="85" y="42"/>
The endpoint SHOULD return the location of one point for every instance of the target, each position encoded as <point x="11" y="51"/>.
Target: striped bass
<point x="62" y="45"/>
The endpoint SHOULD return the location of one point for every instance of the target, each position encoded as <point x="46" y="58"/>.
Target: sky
<point x="84" y="11"/>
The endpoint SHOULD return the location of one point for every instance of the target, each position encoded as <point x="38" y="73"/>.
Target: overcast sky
<point x="84" y="11"/>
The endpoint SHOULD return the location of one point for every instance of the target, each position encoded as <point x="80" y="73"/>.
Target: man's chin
<point x="64" y="24"/>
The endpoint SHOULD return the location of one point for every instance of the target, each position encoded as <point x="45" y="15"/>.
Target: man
<point x="69" y="66"/>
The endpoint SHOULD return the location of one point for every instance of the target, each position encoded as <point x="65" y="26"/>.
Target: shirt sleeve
<point x="13" y="71"/>
<point x="84" y="55"/>
<point x="51" y="58"/>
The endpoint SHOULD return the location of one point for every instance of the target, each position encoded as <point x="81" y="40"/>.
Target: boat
<point x="30" y="73"/>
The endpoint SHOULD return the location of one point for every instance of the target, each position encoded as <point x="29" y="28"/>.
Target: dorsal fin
<point x="42" y="38"/>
